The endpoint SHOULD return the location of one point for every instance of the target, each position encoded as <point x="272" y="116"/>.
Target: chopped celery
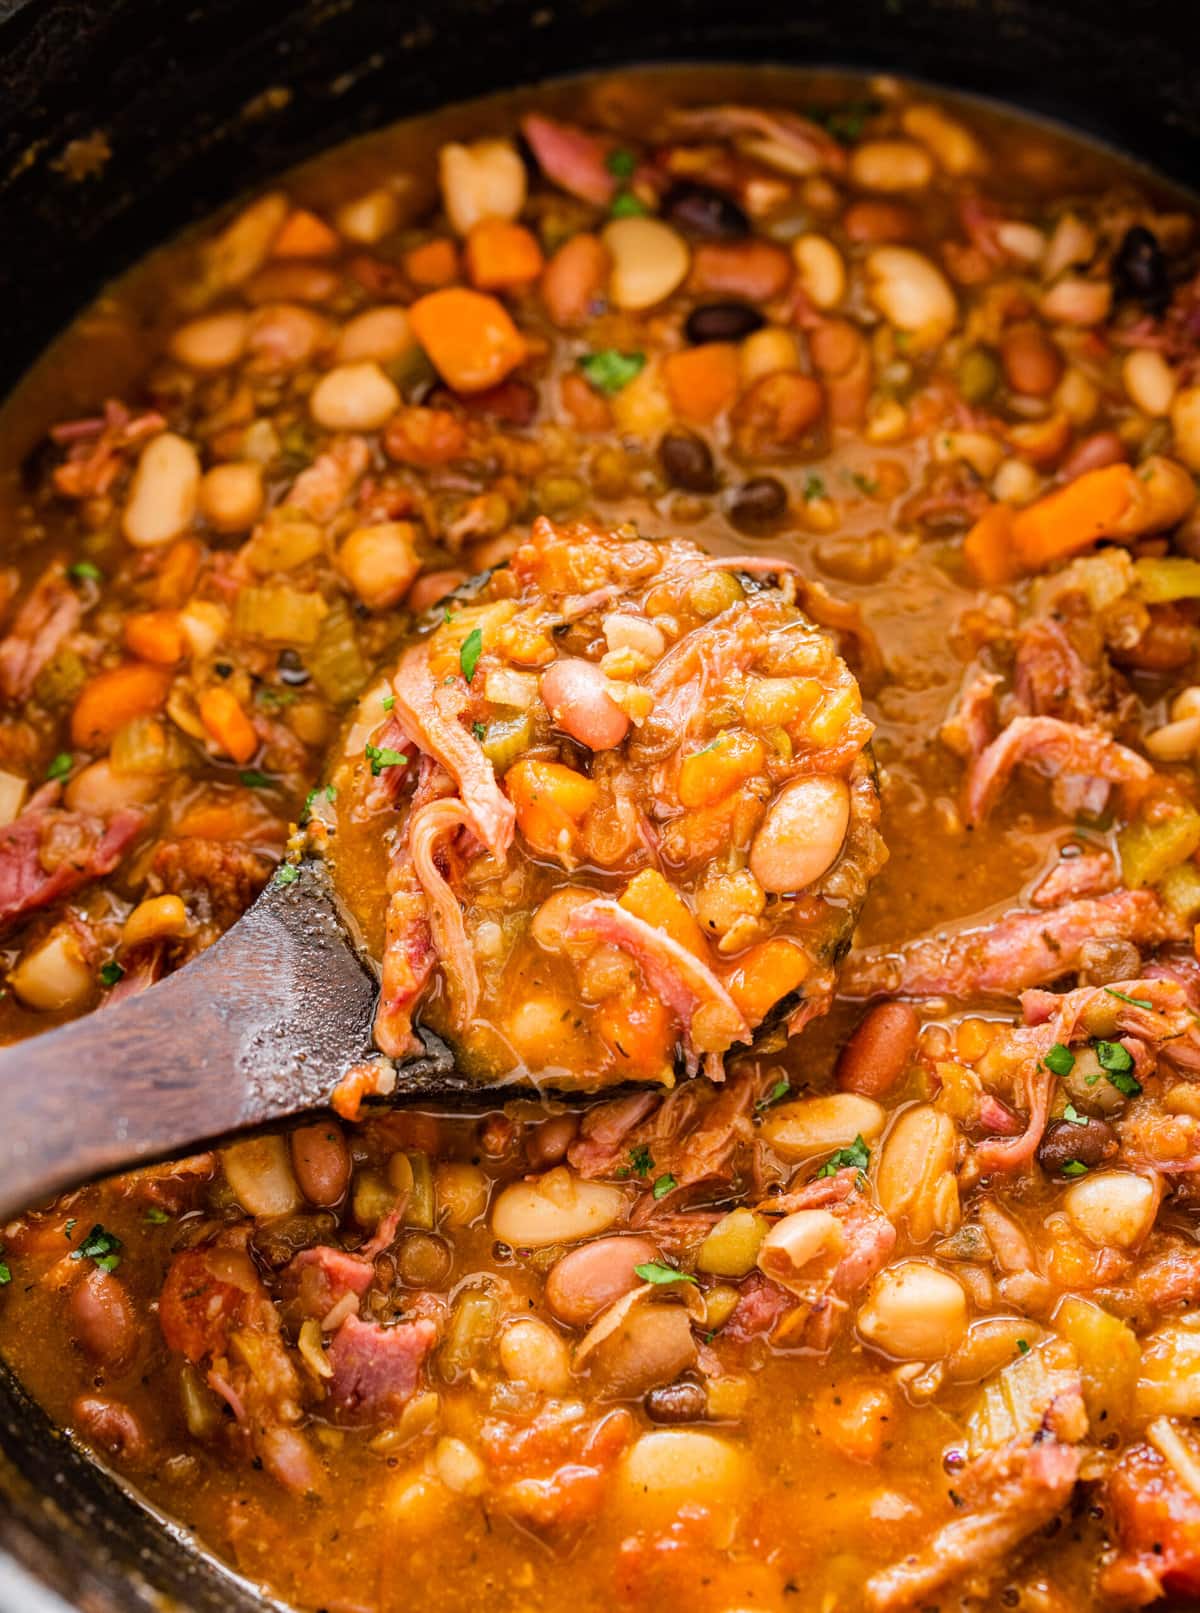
<point x="1014" y="1401"/>
<point x="1148" y="850"/>
<point x="469" y="1336"/>
<point x="280" y="544"/>
<point x="335" y="661"/>
<point x="280" y="615"/>
<point x="507" y="738"/>
<point x="1167" y="577"/>
<point x="1180" y="889"/>
<point x="419" y="1211"/>
<point x="1109" y="1357"/>
<point x="60" y="680"/>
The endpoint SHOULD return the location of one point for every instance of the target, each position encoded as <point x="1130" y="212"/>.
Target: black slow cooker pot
<point x="199" y="101"/>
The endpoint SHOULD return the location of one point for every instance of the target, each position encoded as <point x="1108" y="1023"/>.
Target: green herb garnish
<point x="111" y="972"/>
<point x="157" y="1217"/>
<point x="814" y="487"/>
<point x="1072" y="1116"/>
<point x="857" y="1155"/>
<point x="1134" y="1002"/>
<point x="627" y="205"/>
<point x="254" y="780"/>
<point x="609" y="371"/>
<point x="5" y="1274"/>
<point x="641" y="1159"/>
<point x="287" y="874"/>
<point x="780" y="1090"/>
<point x="329" y="791"/>
<point x="387" y="701"/>
<point x="620" y="163"/>
<point x="1023" y="1346"/>
<point x="468" y="656"/>
<point x="865" y="484"/>
<point x="85" y="571"/>
<point x="1117" y="1064"/>
<point x="1074" y="1167"/>
<point x="60" y="766"/>
<point x="70" y="1228"/>
<point x="663" y="1185"/>
<point x="381" y="756"/>
<point x="102" y="1247"/>
<point x="1060" y="1060"/>
<point x="652" y="1271"/>
<point x="479" y="729"/>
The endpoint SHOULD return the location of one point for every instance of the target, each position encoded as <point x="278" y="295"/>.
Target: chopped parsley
<point x="1060" y="1060"/>
<point x="5" y="1274"/>
<point x="780" y="1090"/>
<point x="1074" y="1167"/>
<point x="653" y="1271"/>
<point x="387" y="701"/>
<point x="85" y="571"/>
<point x="627" y="205"/>
<point x="857" y="1155"/>
<point x="381" y="756"/>
<point x="287" y="874"/>
<point x="1117" y="1064"/>
<point x="663" y="1185"/>
<point x="157" y="1217"/>
<point x="274" y="698"/>
<point x="1072" y="1116"/>
<point x="70" y="1228"/>
<point x="1023" y="1346"/>
<point x="60" y="766"/>
<point x="479" y="729"/>
<point x="867" y="485"/>
<point x="102" y="1247"/>
<point x="814" y="487"/>
<point x="329" y="791"/>
<point x="1134" y="1002"/>
<point x="846" y="122"/>
<point x="620" y="163"/>
<point x="642" y="1160"/>
<point x="609" y="371"/>
<point x="254" y="780"/>
<point x="111" y="972"/>
<point x="468" y="656"/>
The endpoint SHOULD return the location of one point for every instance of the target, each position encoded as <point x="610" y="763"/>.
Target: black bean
<point x="1139" y="270"/>
<point x="680" y="1402"/>
<point x="703" y="211"/>
<point x="722" y="322"/>
<point x="758" y="503"/>
<point x="1064" y="1141"/>
<point x="687" y="461"/>
<point x="291" y="669"/>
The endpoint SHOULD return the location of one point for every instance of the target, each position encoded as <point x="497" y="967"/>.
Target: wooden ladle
<point x="260" y="1026"/>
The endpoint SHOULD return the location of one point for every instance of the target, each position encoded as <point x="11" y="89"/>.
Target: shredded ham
<point x="47" y="617"/>
<point x="676" y="975"/>
<point x="1093" y="874"/>
<point x="1007" y="1153"/>
<point x="426" y="827"/>
<point x="1056" y="747"/>
<point x="796" y="143"/>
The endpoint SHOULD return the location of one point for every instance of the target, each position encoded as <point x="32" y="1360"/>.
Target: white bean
<point x="802" y="833"/>
<point x="1112" y="1208"/>
<point x="164" y="492"/>
<point x="1185" y="423"/>
<point x="484" y="180"/>
<point x="367" y="219"/>
<point x="1075" y="301"/>
<point x="155" y="919"/>
<point x="795" y="1242"/>
<point x="54" y="975"/>
<point x="242" y="246"/>
<point x="382" y="334"/>
<point x="354" y="397"/>
<point x="1175" y="741"/>
<point x="649" y="260"/>
<point x="213" y="342"/>
<point x="1149" y="381"/>
<point x="951" y="142"/>
<point x="231" y="496"/>
<point x="909" y="290"/>
<point x="532" y="1352"/>
<point x="98" y="789"/>
<point x="890" y="166"/>
<point x="810" y="1127"/>
<point x="672" y="1466"/>
<point x="767" y="351"/>
<point x="558" y="1207"/>
<point x="260" y="1176"/>
<point x="458" y="1467"/>
<point x="635" y="633"/>
<point x="821" y="270"/>
<point x="914" y="1312"/>
<point x="576" y="695"/>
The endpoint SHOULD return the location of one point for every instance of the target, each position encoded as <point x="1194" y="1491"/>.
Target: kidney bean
<point x="758" y="503"/>
<point x="576" y="695"/>
<point x="1093" y="453"/>
<point x="583" y="1282"/>
<point x="722" y="322"/>
<point x="878" y="1052"/>
<point x="548" y="1142"/>
<point x="103" y="1320"/>
<point x="1032" y="364"/>
<point x="1139" y="270"/>
<point x="1063" y="1141"/>
<point x="110" y="1425"/>
<point x="757" y="270"/>
<point x="879" y="221"/>
<point x="321" y="1162"/>
<point x="701" y="210"/>
<point x="680" y="1402"/>
<point x="777" y="412"/>
<point x="574" y="280"/>
<point x="687" y="461"/>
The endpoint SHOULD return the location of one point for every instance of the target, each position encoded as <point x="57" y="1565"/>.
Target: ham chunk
<point x="376" y="1369"/>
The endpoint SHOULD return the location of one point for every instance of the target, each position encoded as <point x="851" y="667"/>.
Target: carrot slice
<point x="304" y="235"/>
<point x="702" y="381"/>
<point x="767" y="974"/>
<point x="469" y="337"/>
<point x="1080" y="514"/>
<point x="156" y="635"/>
<point x="113" y="698"/>
<point x="715" y="771"/>
<point x="988" y="547"/>
<point x="501" y="254"/>
<point x="227" y="725"/>
<point x="550" y="800"/>
<point x="433" y="264"/>
<point x="649" y="897"/>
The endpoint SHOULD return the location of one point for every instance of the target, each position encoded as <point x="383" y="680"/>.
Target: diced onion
<point x="12" y="796"/>
<point x="279" y="615"/>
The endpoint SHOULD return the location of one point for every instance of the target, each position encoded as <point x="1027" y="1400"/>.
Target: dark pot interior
<point x="201" y="101"/>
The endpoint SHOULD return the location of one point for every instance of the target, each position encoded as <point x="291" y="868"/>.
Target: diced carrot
<point x="304" y="235"/>
<point x="1073" y="518"/>
<point x="230" y="815"/>
<point x="433" y="264"/>
<point x="712" y="773"/>
<point x="551" y="800"/>
<point x="469" y="337"/>
<point x="156" y="635"/>
<point x="702" y="381"/>
<point x="178" y="572"/>
<point x="649" y="898"/>
<point x="227" y="725"/>
<point x="588" y="409"/>
<point x="854" y="1418"/>
<point x="639" y="1031"/>
<point x="766" y="974"/>
<point x="111" y="699"/>
<point x="988" y="547"/>
<point x="501" y="254"/>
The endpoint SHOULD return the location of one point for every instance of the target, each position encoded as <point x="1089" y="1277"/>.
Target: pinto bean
<point x="879" y="1051"/>
<point x="776" y="413"/>
<point x="547" y="1143"/>
<point x="756" y="270"/>
<point x="574" y="279"/>
<point x="103" y="1320"/>
<point x="1032" y="364"/>
<point x="584" y="1282"/>
<point x="321" y="1161"/>
<point x="681" y="1402"/>
<point x="576" y="695"/>
<point x="651" y="1346"/>
<point x="111" y="1426"/>
<point x="802" y="834"/>
<point x="1064" y="1140"/>
<point x="871" y="222"/>
<point x="1093" y="453"/>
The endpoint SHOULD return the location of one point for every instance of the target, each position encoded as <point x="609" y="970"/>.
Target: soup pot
<point x="121" y="120"/>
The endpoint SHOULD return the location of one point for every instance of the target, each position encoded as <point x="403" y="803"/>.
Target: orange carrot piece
<point x="716" y="770"/>
<point x="1073" y="518"/>
<point x="988" y="547"/>
<point x="766" y="974"/>
<point x="501" y="254"/>
<point x="551" y="800"/>
<point x="640" y="1032"/>
<point x="232" y="815"/>
<point x="304" y="235"/>
<point x="433" y="264"/>
<point x="178" y="572"/>
<point x="855" y="1418"/>
<point x="702" y="381"/>
<point x="650" y="898"/>
<point x="469" y="337"/>
<point x="227" y="725"/>
<point x="111" y="699"/>
<point x="156" y="635"/>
